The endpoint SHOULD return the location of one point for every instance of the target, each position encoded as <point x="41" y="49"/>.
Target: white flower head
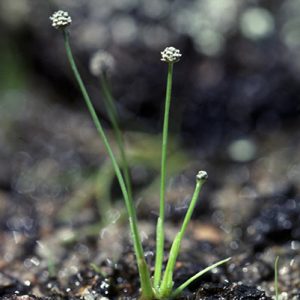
<point x="170" y="55"/>
<point x="201" y="176"/>
<point x="102" y="62"/>
<point x="60" y="19"/>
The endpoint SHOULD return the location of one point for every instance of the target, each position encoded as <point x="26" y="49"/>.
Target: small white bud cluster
<point x="170" y="55"/>
<point x="60" y="19"/>
<point x="202" y="175"/>
<point x="102" y="62"/>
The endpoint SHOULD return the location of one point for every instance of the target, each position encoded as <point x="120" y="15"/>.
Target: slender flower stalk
<point x="167" y="281"/>
<point x="60" y="20"/>
<point x="170" y="55"/>
<point x="165" y="290"/>
<point x="113" y="116"/>
<point x="143" y="269"/>
<point x="101" y="65"/>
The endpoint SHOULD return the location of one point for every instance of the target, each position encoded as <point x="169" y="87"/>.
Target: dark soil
<point x="46" y="257"/>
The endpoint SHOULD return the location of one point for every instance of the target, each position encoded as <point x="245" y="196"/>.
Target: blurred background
<point x="239" y="74"/>
<point x="235" y="107"/>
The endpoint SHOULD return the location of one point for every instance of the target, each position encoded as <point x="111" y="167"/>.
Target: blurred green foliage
<point x="13" y="69"/>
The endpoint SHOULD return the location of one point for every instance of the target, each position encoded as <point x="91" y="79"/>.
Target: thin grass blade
<point x="196" y="276"/>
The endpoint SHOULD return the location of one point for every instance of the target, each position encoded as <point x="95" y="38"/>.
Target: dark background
<point x="239" y="73"/>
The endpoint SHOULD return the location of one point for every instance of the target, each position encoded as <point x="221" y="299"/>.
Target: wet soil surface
<point x="249" y="211"/>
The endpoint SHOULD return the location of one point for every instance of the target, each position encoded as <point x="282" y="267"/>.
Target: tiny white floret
<point x="170" y="55"/>
<point x="60" y="19"/>
<point x="202" y="175"/>
<point x="102" y="62"/>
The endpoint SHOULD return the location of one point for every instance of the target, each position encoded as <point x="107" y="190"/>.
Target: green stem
<point x="51" y="268"/>
<point x="167" y="281"/>
<point x="143" y="271"/>
<point x="160" y="222"/>
<point x="179" y="290"/>
<point x="113" y="116"/>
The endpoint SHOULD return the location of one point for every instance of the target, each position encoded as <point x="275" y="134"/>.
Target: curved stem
<point x="143" y="270"/>
<point x="179" y="290"/>
<point x="113" y="116"/>
<point x="167" y="281"/>
<point x="160" y="222"/>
